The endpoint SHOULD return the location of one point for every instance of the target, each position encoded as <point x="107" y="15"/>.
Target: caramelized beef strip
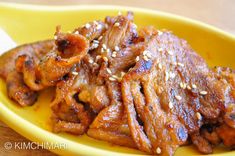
<point x="201" y="143"/>
<point x="111" y="125"/>
<point x="71" y="48"/>
<point x="173" y="92"/>
<point x="35" y="50"/>
<point x="18" y="91"/>
<point x="111" y="122"/>
<point x="227" y="134"/>
<point x="69" y="115"/>
<point x="16" y="87"/>
<point x="208" y="132"/>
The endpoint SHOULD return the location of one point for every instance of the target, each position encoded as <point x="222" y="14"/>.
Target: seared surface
<point x="174" y="93"/>
<point x="147" y="89"/>
<point x="16" y="87"/>
<point x="36" y="50"/>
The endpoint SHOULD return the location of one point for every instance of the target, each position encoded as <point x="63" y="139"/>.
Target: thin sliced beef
<point x="173" y="92"/>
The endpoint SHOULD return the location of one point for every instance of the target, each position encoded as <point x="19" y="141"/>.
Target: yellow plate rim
<point x="13" y="119"/>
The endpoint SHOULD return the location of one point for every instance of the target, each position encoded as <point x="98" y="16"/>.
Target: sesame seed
<point x="134" y="25"/>
<point x="146" y="58"/>
<point x="102" y="50"/>
<point x="119" y="79"/>
<point x="76" y="32"/>
<point x="87" y="25"/>
<point x="90" y="61"/>
<point x="160" y="49"/>
<point x="105" y="59"/>
<point x="96" y="41"/>
<point x="146" y="52"/>
<point x="137" y="58"/>
<point x="194" y="86"/>
<point x="95" y="22"/>
<point x="148" y="55"/>
<point x="104" y="46"/>
<point x="199" y="116"/>
<point x="180" y="64"/>
<point x="159" y="32"/>
<point x="183" y="85"/>
<point x="122" y="74"/>
<point x="188" y="87"/>
<point x="159" y="65"/>
<point x="178" y="97"/>
<point x="170" y="105"/>
<point x="108" y="50"/>
<point x="116" y="24"/>
<point x="158" y="150"/>
<point x="166" y="76"/>
<point x="109" y="71"/>
<point x="203" y="92"/>
<point x="99" y="26"/>
<point x="112" y="79"/>
<point x="98" y="57"/>
<point x="106" y="26"/>
<point x="114" y="76"/>
<point x="114" y="54"/>
<point x="100" y="38"/>
<point x="116" y="48"/>
<point x="95" y="64"/>
<point x="170" y="52"/>
<point x="172" y="75"/>
<point x="94" y="46"/>
<point x="75" y="73"/>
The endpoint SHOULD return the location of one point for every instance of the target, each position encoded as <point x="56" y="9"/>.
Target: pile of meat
<point x="143" y="89"/>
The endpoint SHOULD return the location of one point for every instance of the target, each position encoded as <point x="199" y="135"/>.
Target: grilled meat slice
<point x="173" y="92"/>
<point x="227" y="134"/>
<point x="55" y="64"/>
<point x="35" y="50"/>
<point x="69" y="115"/>
<point x="18" y="91"/>
<point x="147" y="90"/>
<point x="111" y="125"/>
<point x="16" y="86"/>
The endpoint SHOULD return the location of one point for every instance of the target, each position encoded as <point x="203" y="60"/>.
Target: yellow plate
<point x="27" y="23"/>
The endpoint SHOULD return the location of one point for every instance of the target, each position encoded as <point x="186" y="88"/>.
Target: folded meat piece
<point x="35" y="50"/>
<point x="111" y="125"/>
<point x="227" y="134"/>
<point x="69" y="115"/>
<point x="96" y="96"/>
<point x="18" y="91"/>
<point x="173" y="92"/>
<point x="16" y="87"/>
<point x="55" y="64"/>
